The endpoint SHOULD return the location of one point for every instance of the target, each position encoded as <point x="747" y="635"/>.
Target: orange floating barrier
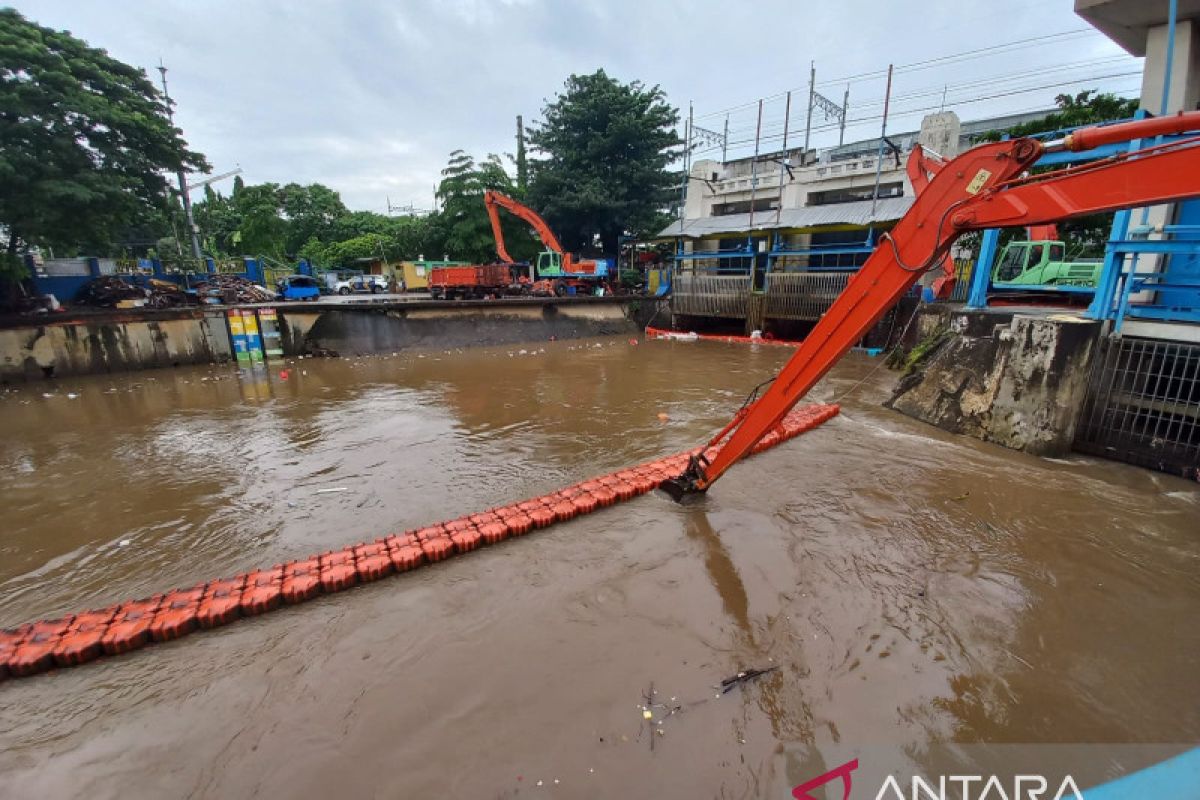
<point x="437" y="549"/>
<point x="518" y="524"/>
<point x="176" y="616"/>
<point x="33" y="647"/>
<point x="563" y="510"/>
<point x="405" y="553"/>
<point x="466" y="539"/>
<point x="432" y="532"/>
<point x="301" y="580"/>
<point x="372" y="561"/>
<point x="219" y="605"/>
<point x="9" y="640"/>
<point x="337" y="571"/>
<point x="494" y="532"/>
<point x="35" y="653"/>
<point x="605" y="496"/>
<point x="130" y="628"/>
<point x="585" y="503"/>
<point x="81" y="642"/>
<point x="263" y="592"/>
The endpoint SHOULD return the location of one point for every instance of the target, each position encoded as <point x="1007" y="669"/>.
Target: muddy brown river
<point x="919" y="593"/>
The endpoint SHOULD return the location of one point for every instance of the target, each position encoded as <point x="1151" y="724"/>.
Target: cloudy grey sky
<point x="369" y="96"/>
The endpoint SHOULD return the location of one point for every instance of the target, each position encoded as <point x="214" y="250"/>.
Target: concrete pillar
<point x="1185" y="68"/>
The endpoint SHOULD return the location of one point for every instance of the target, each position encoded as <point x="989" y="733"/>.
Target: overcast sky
<point x="370" y="97"/>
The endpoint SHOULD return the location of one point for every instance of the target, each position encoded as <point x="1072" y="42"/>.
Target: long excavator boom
<point x="986" y="187"/>
<point x="493" y="199"/>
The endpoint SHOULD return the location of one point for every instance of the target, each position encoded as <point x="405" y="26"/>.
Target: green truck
<point x="1028" y="265"/>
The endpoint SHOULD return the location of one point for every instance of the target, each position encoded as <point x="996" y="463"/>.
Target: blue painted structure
<point x="1176" y="285"/>
<point x="65" y="287"/>
<point x="1177" y="778"/>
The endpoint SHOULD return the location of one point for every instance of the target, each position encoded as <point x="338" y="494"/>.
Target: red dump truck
<point x="475" y="281"/>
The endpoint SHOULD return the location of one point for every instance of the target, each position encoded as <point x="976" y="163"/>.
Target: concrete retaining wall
<point x="116" y="341"/>
<point x="370" y="330"/>
<point x="112" y="343"/>
<point x="1016" y="380"/>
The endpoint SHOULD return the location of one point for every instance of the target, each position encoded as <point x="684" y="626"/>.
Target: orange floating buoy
<point x="301" y="580"/>
<point x="585" y="503"/>
<point x="483" y="519"/>
<point x="518" y="525"/>
<point x="460" y="524"/>
<point x="372" y="561"/>
<point x="432" y="532"/>
<point x="541" y="517"/>
<point x="564" y="510"/>
<point x="130" y="628"/>
<point x="530" y="505"/>
<point x="35" y="653"/>
<point x="176" y="616"/>
<point x="493" y="532"/>
<point x="605" y="496"/>
<point x="9" y="640"/>
<point x="406" y="556"/>
<point x="646" y="483"/>
<point x="337" y="570"/>
<point x="437" y="549"/>
<point x="219" y="605"/>
<point x="625" y="490"/>
<point x="466" y="539"/>
<point x="81" y="642"/>
<point x="263" y="592"/>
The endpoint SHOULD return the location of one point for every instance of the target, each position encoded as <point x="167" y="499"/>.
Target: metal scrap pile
<point x="112" y="292"/>
<point x="233" y="289"/>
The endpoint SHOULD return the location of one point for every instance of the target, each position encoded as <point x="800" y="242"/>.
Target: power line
<point x="965" y="55"/>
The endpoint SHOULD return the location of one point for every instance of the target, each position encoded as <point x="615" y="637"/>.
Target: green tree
<point x="85" y="143"/>
<point x="311" y="212"/>
<point x="606" y="147"/>
<point x="461" y="228"/>
<point x="262" y="230"/>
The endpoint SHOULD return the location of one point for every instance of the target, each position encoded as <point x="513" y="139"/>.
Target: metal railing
<point x="803" y="295"/>
<point x="710" y="295"/>
<point x="1143" y="405"/>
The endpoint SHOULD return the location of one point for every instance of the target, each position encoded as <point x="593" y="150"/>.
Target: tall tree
<point x="85" y="143"/>
<point x="311" y="212"/>
<point x="461" y="227"/>
<point x="606" y="146"/>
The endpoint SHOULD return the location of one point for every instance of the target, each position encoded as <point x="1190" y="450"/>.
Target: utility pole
<point x="725" y="141"/>
<point x="887" y="99"/>
<point x="522" y="168"/>
<point x="783" y="160"/>
<point x="845" y="113"/>
<point x="183" y="188"/>
<point x="812" y="89"/>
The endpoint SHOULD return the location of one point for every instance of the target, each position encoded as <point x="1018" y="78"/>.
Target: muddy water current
<point x="917" y="592"/>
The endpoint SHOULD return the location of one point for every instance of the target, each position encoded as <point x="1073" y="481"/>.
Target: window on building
<point x="743" y="206"/>
<point x="850" y="195"/>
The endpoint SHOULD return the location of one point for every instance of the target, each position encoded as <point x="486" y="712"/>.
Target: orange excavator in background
<point x="554" y="267"/>
<point x="988" y="186"/>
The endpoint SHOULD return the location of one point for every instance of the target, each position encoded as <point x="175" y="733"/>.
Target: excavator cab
<point x="549" y="264"/>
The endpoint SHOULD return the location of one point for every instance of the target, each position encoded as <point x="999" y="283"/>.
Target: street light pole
<point x="183" y="187"/>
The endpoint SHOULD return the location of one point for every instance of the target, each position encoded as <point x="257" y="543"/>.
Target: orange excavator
<point x="988" y="186"/>
<point x="554" y="266"/>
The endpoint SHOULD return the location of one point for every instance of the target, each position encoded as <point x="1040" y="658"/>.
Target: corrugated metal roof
<point x="887" y="209"/>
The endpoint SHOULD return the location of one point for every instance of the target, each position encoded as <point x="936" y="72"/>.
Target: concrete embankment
<point x="91" y="342"/>
<point x="1012" y="378"/>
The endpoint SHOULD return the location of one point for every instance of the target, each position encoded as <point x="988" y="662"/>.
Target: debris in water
<point x="123" y="543"/>
<point x="743" y="676"/>
<point x="333" y="490"/>
<point x="647" y="714"/>
<point x="71" y="395"/>
<point x="663" y="416"/>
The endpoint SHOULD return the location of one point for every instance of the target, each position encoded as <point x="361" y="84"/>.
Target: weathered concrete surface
<point x="361" y="330"/>
<point x="1018" y="380"/>
<point x="112" y="343"/>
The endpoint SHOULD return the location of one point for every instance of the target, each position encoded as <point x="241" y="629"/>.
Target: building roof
<point x="857" y="213"/>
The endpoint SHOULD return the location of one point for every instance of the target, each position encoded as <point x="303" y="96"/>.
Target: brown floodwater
<point x="916" y="590"/>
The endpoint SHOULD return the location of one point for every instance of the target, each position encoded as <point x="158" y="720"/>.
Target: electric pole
<point x="183" y="187"/>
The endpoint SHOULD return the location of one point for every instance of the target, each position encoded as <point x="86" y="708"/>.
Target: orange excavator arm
<point x="492" y="199"/>
<point x="982" y="188"/>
